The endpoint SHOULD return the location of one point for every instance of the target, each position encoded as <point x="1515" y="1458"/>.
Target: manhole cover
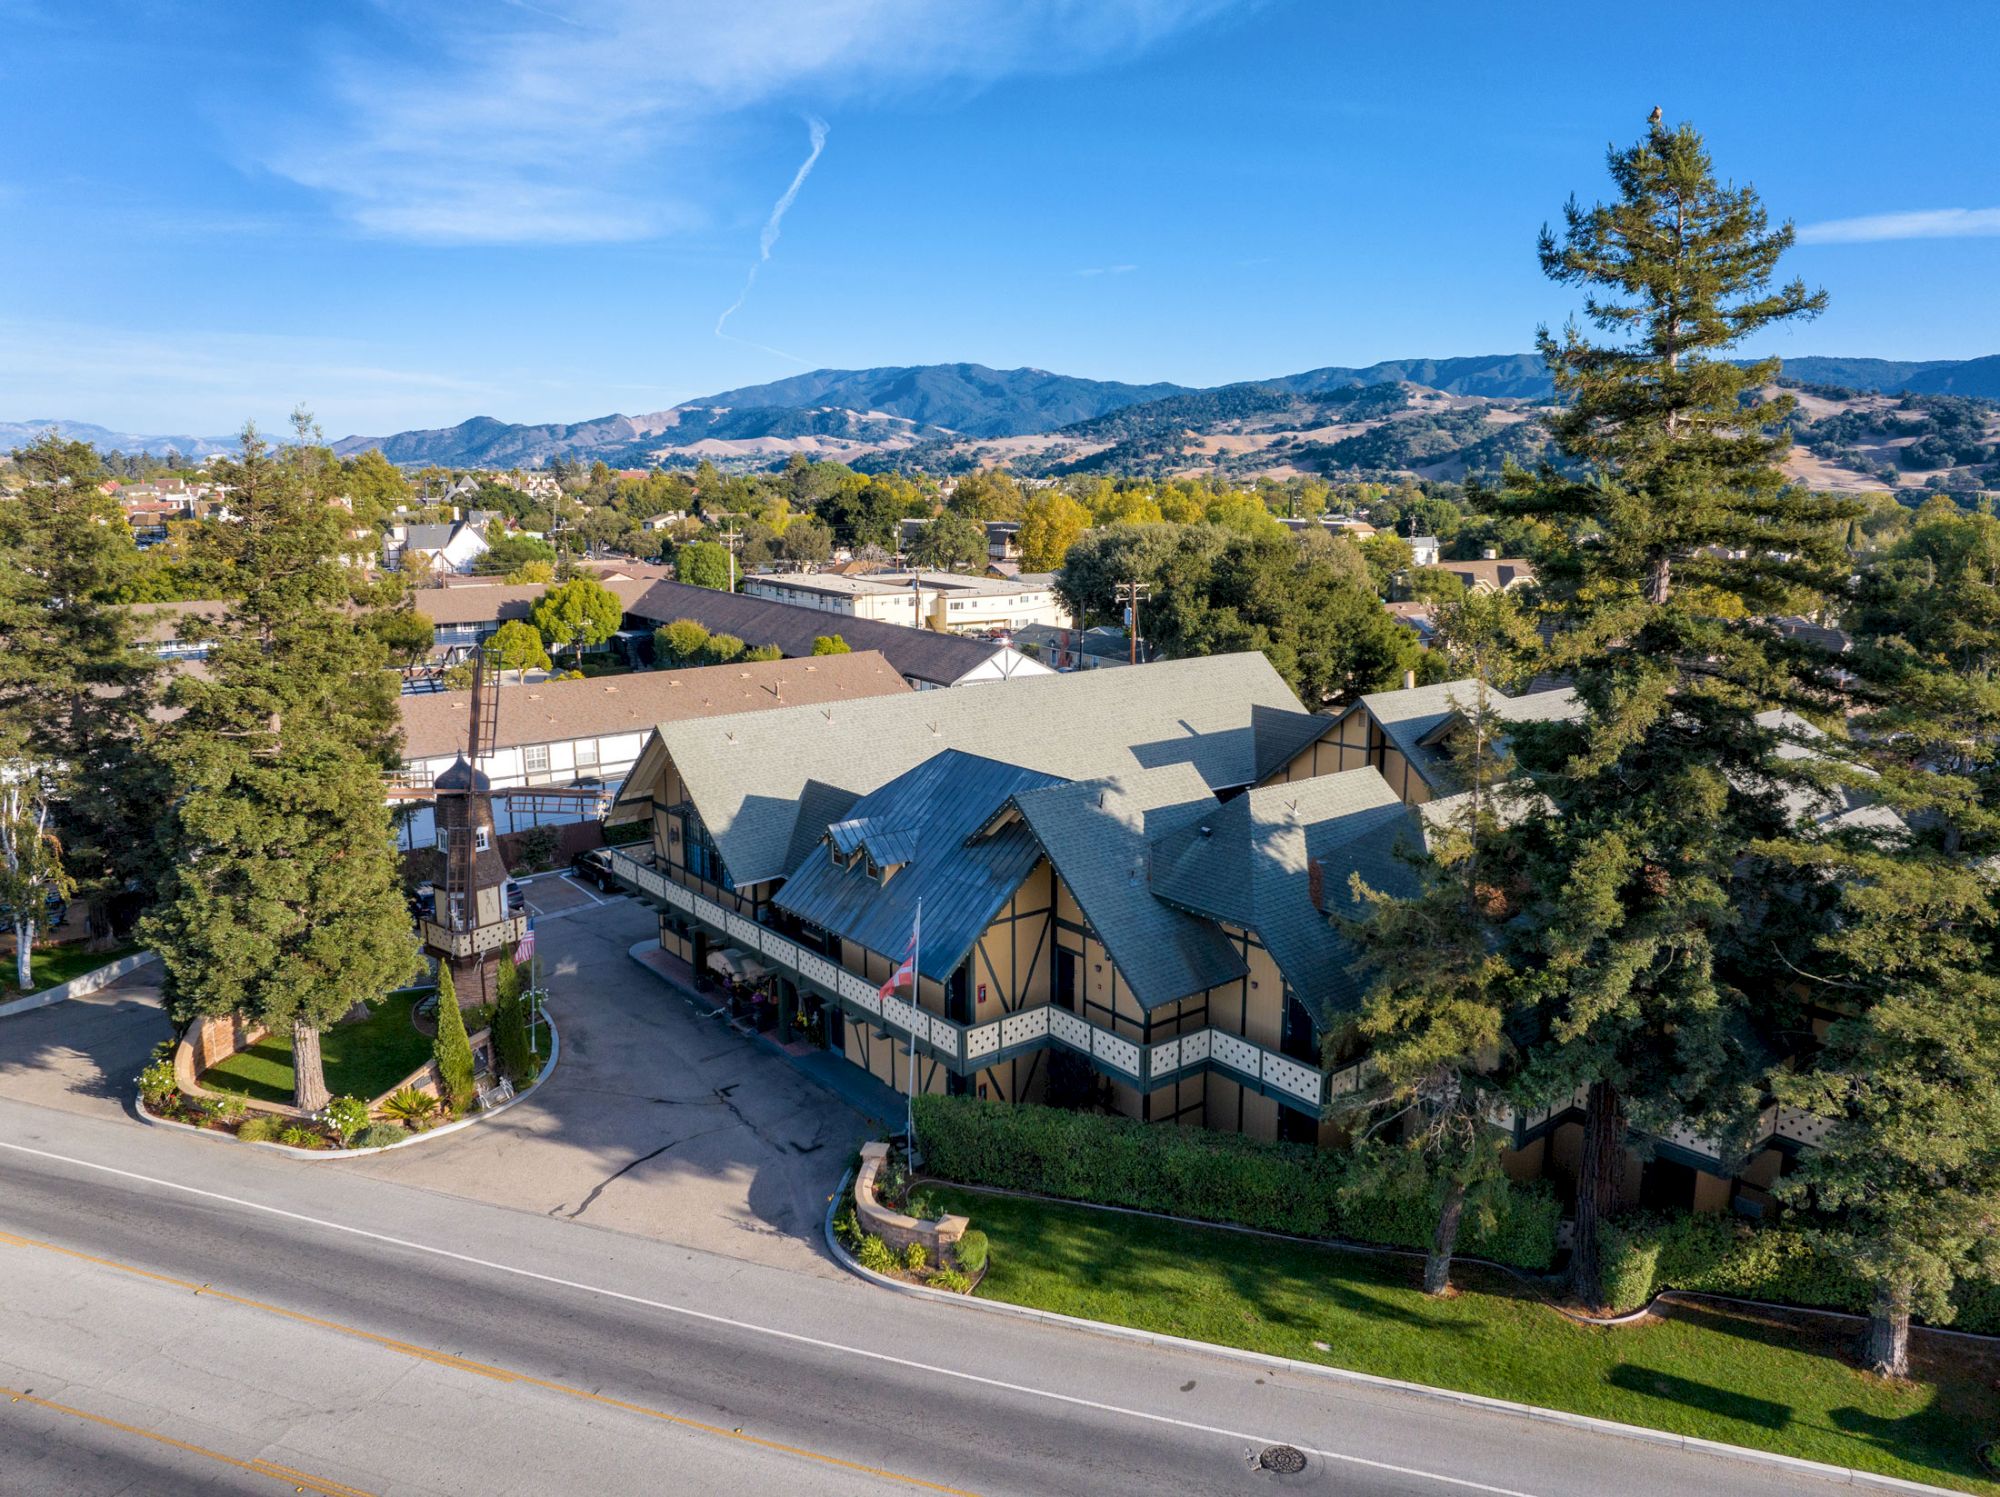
<point x="1286" y="1460"/>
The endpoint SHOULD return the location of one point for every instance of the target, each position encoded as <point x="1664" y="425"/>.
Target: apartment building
<point x="949" y="602"/>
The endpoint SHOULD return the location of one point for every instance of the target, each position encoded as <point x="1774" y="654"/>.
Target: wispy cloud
<point x="582" y="120"/>
<point x="1926" y="223"/>
<point x="1106" y="270"/>
<point x="816" y="130"/>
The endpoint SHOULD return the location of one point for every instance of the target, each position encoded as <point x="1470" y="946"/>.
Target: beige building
<point x="950" y="602"/>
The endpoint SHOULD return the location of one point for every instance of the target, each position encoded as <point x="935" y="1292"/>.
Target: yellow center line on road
<point x="299" y="1479"/>
<point x="441" y="1359"/>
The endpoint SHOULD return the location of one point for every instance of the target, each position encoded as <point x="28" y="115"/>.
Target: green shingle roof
<point x="1099" y="835"/>
<point x="1249" y="864"/>
<point x="1411" y="716"/>
<point x="1224" y="715"/>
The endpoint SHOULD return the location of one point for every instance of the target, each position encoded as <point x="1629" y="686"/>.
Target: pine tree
<point x="1436" y="1010"/>
<point x="283" y="902"/>
<point x="74" y="690"/>
<point x="1907" y="1180"/>
<point x="453" y="1049"/>
<point x="1650" y="930"/>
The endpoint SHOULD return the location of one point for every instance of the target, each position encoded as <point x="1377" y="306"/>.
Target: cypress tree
<point x="283" y="902"/>
<point x="453" y="1048"/>
<point x="1652" y="925"/>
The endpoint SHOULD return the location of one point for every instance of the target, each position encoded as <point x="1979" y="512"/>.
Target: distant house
<point x="451" y="546"/>
<point x="1424" y="550"/>
<point x="1074" y="649"/>
<point x="1491" y="574"/>
<point x="176" y="631"/>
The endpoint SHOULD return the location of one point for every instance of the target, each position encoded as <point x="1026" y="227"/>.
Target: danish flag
<point x="906" y="971"/>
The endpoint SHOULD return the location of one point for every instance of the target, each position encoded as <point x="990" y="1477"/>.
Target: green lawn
<point x="362" y="1060"/>
<point x="57" y="964"/>
<point x="1722" y="1375"/>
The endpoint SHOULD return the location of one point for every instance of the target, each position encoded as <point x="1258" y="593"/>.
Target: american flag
<point x="527" y="947"/>
<point x="906" y="970"/>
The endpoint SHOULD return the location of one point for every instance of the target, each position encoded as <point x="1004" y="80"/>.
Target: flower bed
<point x="914" y="1244"/>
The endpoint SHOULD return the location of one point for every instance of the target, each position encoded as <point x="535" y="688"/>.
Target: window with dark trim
<point x="1065" y="993"/>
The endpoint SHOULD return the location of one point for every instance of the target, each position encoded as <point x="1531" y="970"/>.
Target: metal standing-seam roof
<point x="925" y="817"/>
<point x="746" y="773"/>
<point x="1099" y="835"/>
<point x="1250" y="864"/>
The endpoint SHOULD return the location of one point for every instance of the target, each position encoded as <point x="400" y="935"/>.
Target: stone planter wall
<point x="894" y="1227"/>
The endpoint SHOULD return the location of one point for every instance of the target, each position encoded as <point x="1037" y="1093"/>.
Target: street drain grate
<point x="1286" y="1460"/>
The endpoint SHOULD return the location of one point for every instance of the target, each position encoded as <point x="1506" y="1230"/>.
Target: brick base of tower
<point x="475" y="980"/>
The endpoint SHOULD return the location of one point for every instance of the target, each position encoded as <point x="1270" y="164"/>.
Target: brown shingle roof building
<point x="554" y="711"/>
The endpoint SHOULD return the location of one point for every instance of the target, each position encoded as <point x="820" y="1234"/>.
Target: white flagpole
<point x="916" y="1007"/>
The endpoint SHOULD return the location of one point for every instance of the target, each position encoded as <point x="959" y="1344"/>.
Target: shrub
<point x="915" y="1259"/>
<point x="346" y="1116"/>
<point x="847" y="1228"/>
<point x="1219" y="1177"/>
<point x="411" y="1107"/>
<point x="875" y="1256"/>
<point x="451" y="1049"/>
<point x="538" y="846"/>
<point x="263" y="1128"/>
<point x="378" y="1135"/>
<point x="156" y="1084"/>
<point x="971" y="1251"/>
<point x="298" y="1136"/>
<point x="227" y="1108"/>
<point x="1711" y="1253"/>
<point x="950" y="1278"/>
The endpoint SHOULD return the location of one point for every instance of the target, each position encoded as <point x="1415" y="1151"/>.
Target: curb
<point x="555" y="1054"/>
<point x="79" y="986"/>
<point x="1741" y="1453"/>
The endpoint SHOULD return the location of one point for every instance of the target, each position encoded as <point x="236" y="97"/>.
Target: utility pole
<point x="1131" y="593"/>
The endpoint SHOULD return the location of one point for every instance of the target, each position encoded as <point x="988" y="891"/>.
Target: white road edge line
<point x="763" y="1330"/>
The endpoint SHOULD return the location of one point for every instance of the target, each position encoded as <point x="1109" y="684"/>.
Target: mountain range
<point x="948" y="413"/>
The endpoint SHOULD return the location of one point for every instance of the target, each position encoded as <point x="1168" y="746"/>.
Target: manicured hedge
<point x="1218" y="1177"/>
<point x="1717" y="1254"/>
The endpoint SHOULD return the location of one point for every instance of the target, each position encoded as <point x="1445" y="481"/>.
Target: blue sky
<point x="408" y="212"/>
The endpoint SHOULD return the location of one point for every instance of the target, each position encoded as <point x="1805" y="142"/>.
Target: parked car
<point x="594" y="868"/>
<point x="517" y="897"/>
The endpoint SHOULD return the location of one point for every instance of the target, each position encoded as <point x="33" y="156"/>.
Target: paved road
<point x="288" y="1322"/>
<point x="656" y="1121"/>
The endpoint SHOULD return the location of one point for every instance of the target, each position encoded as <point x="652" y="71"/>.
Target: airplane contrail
<point x="769" y="238"/>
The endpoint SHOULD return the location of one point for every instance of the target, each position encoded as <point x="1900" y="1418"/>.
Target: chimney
<point x="1316" y="884"/>
<point x="1489" y="554"/>
<point x="1409" y="680"/>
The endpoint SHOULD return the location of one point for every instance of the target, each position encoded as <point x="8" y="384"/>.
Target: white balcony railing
<point x="973" y="1046"/>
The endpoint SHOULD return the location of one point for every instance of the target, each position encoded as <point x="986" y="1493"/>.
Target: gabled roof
<point x="1417" y="719"/>
<point x="745" y="774"/>
<point x="921" y="654"/>
<point x="1839" y="808"/>
<point x="434" y="723"/>
<point x="1098" y="835"/>
<point x="922" y="818"/>
<point x="1250" y="865"/>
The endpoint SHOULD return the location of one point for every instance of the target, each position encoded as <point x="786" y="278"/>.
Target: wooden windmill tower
<point x="471" y="925"/>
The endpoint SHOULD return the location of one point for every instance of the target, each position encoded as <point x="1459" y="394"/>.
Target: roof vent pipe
<point x="1409" y="680"/>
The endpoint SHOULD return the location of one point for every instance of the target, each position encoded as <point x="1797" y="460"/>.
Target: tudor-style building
<point x="1138" y="871"/>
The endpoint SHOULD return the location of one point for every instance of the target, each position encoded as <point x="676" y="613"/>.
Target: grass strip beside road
<point x="54" y="965"/>
<point x="362" y="1060"/>
<point x="1784" y="1384"/>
